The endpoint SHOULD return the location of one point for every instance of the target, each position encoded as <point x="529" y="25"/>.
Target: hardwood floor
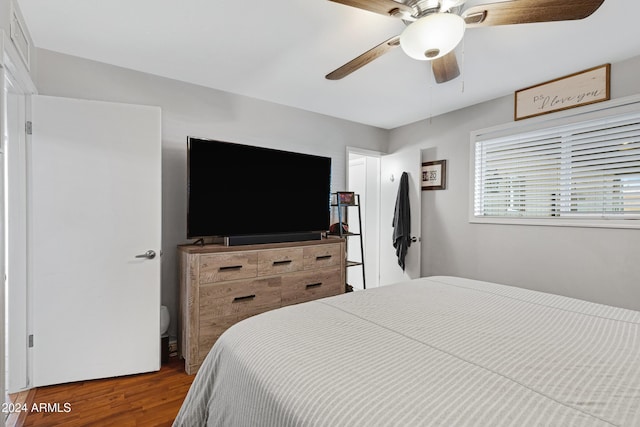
<point x="151" y="399"/>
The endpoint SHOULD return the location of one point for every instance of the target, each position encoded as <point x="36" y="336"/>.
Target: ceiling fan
<point x="435" y="27"/>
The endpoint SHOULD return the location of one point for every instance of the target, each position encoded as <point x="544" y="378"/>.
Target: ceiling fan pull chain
<point x="431" y="93"/>
<point x="462" y="68"/>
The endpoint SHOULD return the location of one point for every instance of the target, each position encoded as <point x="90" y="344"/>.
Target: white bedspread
<point x="438" y="351"/>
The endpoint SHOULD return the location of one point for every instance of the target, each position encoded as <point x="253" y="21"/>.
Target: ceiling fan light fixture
<point x="433" y="36"/>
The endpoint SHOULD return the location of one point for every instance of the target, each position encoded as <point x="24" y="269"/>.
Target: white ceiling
<point x="280" y="51"/>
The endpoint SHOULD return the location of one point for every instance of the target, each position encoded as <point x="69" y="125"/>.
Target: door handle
<point x="415" y="239"/>
<point x="148" y="255"/>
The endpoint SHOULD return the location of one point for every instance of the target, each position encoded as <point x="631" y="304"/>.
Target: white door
<point x="391" y="168"/>
<point x="94" y="212"/>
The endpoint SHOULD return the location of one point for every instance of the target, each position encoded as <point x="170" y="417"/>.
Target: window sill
<point x="557" y="222"/>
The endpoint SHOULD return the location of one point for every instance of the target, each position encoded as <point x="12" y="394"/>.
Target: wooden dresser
<point x="221" y="285"/>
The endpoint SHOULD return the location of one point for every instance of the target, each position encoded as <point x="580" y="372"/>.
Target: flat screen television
<point x="241" y="190"/>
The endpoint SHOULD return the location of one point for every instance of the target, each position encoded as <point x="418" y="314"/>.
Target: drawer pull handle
<point x="314" y="285"/>
<point x="287" y="261"/>
<point x="323" y="257"/>
<point x="230" y="267"/>
<point x="245" y="298"/>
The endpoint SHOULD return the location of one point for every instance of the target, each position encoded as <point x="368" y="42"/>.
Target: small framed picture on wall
<point x="434" y="175"/>
<point x="346" y="197"/>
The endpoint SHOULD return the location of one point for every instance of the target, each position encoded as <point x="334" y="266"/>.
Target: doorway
<point x="363" y="178"/>
<point x="376" y="177"/>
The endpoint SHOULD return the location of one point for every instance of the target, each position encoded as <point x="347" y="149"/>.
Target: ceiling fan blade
<point x="364" y="59"/>
<point x="445" y="68"/>
<point x="528" y="11"/>
<point x="383" y="7"/>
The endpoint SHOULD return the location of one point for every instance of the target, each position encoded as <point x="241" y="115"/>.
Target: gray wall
<point x="595" y="264"/>
<point x="197" y="111"/>
<point x="587" y="263"/>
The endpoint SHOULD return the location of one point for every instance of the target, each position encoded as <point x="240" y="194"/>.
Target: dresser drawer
<point x="320" y="256"/>
<point x="309" y="285"/>
<point x="239" y="298"/>
<point x="224" y="304"/>
<point x="228" y="266"/>
<point x="279" y="261"/>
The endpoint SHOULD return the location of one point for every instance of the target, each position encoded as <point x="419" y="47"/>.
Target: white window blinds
<point x="589" y="169"/>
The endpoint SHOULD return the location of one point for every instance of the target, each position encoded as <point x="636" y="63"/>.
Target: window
<point x="585" y="170"/>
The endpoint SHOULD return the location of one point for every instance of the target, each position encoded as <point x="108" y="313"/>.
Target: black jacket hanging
<point x="402" y="221"/>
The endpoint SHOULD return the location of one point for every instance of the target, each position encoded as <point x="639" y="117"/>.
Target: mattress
<point x="437" y="351"/>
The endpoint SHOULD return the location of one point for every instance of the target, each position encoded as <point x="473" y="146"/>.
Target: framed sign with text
<point x="434" y="175"/>
<point x="586" y="87"/>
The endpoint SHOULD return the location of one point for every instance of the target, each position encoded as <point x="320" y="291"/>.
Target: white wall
<point x="593" y="264"/>
<point x="197" y="111"/>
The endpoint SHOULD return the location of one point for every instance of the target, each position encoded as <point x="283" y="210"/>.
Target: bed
<point x="441" y="351"/>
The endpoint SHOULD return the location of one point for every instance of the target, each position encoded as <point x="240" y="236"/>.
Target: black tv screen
<point x="239" y="190"/>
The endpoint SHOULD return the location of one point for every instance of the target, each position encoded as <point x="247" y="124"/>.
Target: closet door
<point x="94" y="226"/>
